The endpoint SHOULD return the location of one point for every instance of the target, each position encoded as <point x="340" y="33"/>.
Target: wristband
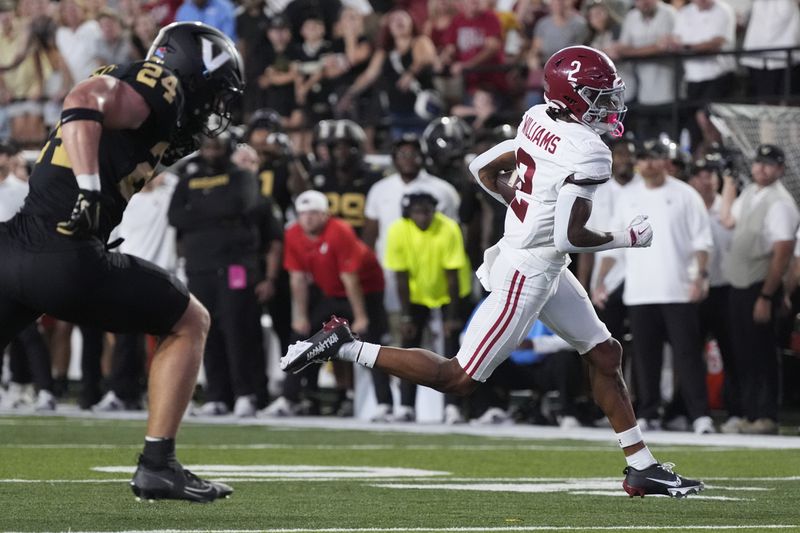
<point x="88" y="182"/>
<point x="621" y="239"/>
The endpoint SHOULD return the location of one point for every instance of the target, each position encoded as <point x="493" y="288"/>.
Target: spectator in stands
<point x="352" y="51"/>
<point x="115" y="47"/>
<point x="403" y="62"/>
<point x="144" y="31"/>
<point x="714" y="310"/>
<point x="312" y="85"/>
<point x="228" y="232"/>
<point x="772" y="24"/>
<point x="217" y="13"/>
<point x="647" y="31"/>
<point x="475" y="40"/>
<point x="147" y="234"/>
<point x="604" y="26"/>
<point x="664" y="308"/>
<point x="764" y="219"/>
<point x="425" y="251"/>
<point x="324" y="252"/>
<point x="252" y="22"/>
<point x="440" y="17"/>
<point x="705" y="26"/>
<point x="279" y="78"/>
<point x="563" y="27"/>
<point x="161" y="11"/>
<point x="79" y="40"/>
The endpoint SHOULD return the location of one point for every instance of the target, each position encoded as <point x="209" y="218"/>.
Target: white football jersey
<point x="548" y="152"/>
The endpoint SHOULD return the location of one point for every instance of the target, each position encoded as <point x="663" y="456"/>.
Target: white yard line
<point x="462" y="529"/>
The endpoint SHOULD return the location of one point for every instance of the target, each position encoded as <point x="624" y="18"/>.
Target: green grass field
<point x="71" y="474"/>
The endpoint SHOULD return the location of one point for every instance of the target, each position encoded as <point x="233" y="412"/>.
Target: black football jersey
<point x="347" y="201"/>
<point x="127" y="158"/>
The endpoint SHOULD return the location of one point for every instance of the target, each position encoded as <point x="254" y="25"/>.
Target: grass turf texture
<point x="66" y="450"/>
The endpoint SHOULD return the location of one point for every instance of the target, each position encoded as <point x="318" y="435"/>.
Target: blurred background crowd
<point x="344" y="190"/>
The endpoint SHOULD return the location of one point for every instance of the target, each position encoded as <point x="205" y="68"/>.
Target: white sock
<point x="641" y="459"/>
<point x="363" y="353"/>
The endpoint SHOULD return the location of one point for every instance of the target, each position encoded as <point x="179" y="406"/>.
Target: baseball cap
<point x="311" y="201"/>
<point x="653" y="149"/>
<point x="278" y="21"/>
<point x="769" y="153"/>
<point x="699" y="165"/>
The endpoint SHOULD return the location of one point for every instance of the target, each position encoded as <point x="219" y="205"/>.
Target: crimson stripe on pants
<point x="502" y="328"/>
<point x="496" y="323"/>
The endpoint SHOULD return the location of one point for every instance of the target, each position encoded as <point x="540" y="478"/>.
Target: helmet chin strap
<point x="619" y="128"/>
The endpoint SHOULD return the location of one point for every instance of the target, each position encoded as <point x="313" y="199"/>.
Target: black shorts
<point x="79" y="281"/>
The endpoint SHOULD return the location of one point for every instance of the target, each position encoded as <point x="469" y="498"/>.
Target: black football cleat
<point x="173" y="482"/>
<point x="322" y="346"/>
<point x="659" y="479"/>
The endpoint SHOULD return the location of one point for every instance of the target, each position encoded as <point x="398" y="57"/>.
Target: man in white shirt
<point x="772" y="24"/>
<point x="645" y="32"/>
<point x="664" y="285"/>
<point x="705" y="26"/>
<point x="383" y="204"/>
<point x="557" y="146"/>
<point x="764" y="219"/>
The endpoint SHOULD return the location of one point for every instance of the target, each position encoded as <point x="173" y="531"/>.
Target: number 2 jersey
<point x="127" y="158"/>
<point x="548" y="152"/>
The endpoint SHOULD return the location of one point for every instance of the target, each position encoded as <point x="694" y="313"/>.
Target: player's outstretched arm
<point x="573" y="207"/>
<point x="486" y="167"/>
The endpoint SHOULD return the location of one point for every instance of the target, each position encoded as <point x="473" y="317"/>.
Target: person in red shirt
<point x="475" y="40"/>
<point x="331" y="272"/>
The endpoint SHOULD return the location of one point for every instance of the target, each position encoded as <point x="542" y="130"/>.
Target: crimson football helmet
<point x="584" y="81"/>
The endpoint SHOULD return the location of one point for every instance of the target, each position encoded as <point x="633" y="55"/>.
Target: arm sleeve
<point x="566" y="198"/>
<point x="487" y="157"/>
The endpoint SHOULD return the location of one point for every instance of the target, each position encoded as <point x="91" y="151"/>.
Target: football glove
<point x="85" y="217"/>
<point x="640" y="232"/>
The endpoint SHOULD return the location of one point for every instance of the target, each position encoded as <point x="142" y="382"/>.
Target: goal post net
<point x="744" y="127"/>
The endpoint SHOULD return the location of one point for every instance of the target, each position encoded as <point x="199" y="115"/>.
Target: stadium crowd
<point x="344" y="190"/>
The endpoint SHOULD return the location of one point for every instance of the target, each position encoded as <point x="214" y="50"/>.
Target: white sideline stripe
<point x="611" y="448"/>
<point x="517" y="431"/>
<point x="456" y="529"/>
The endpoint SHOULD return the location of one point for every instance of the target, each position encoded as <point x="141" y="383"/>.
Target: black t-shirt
<point x="127" y="158"/>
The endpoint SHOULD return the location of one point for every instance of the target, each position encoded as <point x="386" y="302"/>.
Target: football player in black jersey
<point x="116" y="128"/>
<point x="346" y="178"/>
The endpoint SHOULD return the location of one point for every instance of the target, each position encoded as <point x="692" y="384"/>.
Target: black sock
<point x="159" y="453"/>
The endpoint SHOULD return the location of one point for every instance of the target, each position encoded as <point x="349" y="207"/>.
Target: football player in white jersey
<point x="546" y="176"/>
